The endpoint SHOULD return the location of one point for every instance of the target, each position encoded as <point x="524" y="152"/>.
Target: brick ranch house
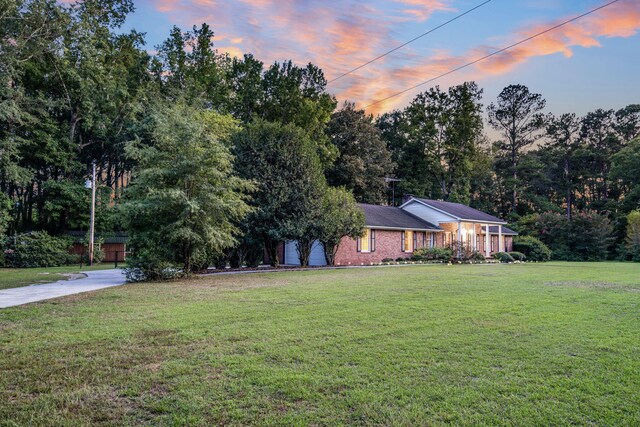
<point x="395" y="232"/>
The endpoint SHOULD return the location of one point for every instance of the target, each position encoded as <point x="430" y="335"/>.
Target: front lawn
<point x="17" y="277"/>
<point x="528" y="344"/>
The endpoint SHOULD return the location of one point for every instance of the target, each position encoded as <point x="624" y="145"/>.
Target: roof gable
<point x="457" y="210"/>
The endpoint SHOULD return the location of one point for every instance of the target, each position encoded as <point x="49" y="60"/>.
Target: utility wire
<point x="494" y="53"/>
<point x="406" y="43"/>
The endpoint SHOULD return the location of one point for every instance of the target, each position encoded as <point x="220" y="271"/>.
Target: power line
<point x="494" y="53"/>
<point x="406" y="43"/>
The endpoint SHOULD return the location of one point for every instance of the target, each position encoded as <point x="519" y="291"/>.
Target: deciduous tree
<point x="364" y="160"/>
<point x="283" y="163"/>
<point x="340" y="217"/>
<point x="184" y="200"/>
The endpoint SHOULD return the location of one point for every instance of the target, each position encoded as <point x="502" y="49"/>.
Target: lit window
<point x="408" y="241"/>
<point x="364" y="241"/>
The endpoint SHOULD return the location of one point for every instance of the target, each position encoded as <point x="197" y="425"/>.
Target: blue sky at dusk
<point x="592" y="63"/>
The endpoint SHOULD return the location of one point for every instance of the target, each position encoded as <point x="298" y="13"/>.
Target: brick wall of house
<point x="388" y="245"/>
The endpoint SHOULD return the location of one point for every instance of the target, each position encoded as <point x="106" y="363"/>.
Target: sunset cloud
<point x="341" y="35"/>
<point x="620" y="20"/>
<point x="423" y="9"/>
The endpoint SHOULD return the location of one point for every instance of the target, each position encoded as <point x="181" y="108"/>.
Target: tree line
<point x="207" y="158"/>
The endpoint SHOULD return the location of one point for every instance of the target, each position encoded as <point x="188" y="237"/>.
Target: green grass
<point x="528" y="344"/>
<point x="16" y="277"/>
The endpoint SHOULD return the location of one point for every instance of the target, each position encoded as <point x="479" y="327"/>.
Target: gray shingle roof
<point x="393" y="217"/>
<point x="493" y="229"/>
<point x="107" y="237"/>
<point x="461" y="211"/>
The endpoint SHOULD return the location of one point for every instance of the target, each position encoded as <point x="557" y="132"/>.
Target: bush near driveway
<point x="38" y="249"/>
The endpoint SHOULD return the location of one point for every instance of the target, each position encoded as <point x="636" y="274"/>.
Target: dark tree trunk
<point x="271" y="247"/>
<point x="303" y="247"/>
<point x="514" y="195"/>
<point x="567" y="177"/>
<point x="330" y="251"/>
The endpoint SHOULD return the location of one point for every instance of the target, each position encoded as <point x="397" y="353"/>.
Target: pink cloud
<point x="423" y="9"/>
<point x="619" y="20"/>
<point x="339" y="36"/>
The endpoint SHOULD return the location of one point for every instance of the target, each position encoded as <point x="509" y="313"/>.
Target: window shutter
<point x="372" y="244"/>
<point x="402" y="247"/>
<point x="358" y="244"/>
<point x="415" y="240"/>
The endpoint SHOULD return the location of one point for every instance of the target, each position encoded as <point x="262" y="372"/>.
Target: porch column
<point x="500" y="242"/>
<point x="475" y="237"/>
<point x="487" y="241"/>
<point x="459" y="239"/>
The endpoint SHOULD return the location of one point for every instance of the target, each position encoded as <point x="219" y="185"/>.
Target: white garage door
<point x="316" y="258"/>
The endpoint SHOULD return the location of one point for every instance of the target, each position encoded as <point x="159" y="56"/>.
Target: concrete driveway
<point x="95" y="280"/>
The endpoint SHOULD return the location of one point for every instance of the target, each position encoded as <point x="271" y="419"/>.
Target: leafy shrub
<point x="434" y="254"/>
<point x="155" y="272"/>
<point x="387" y="260"/>
<point x="149" y="264"/>
<point x="38" y="249"/>
<point x="518" y="256"/>
<point x="477" y="257"/>
<point x="401" y="259"/>
<point x="503" y="257"/>
<point x="532" y="248"/>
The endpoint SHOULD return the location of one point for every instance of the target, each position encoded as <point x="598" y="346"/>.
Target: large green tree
<point x="625" y="170"/>
<point x="364" y="161"/>
<point x="184" y="200"/>
<point x="340" y="217"/>
<point x="436" y="141"/>
<point x="284" y="164"/>
<point x="449" y="125"/>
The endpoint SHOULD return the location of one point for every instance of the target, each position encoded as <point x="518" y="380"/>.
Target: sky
<point x="588" y="64"/>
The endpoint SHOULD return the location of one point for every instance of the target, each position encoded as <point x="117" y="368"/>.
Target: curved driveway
<point x="95" y="280"/>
